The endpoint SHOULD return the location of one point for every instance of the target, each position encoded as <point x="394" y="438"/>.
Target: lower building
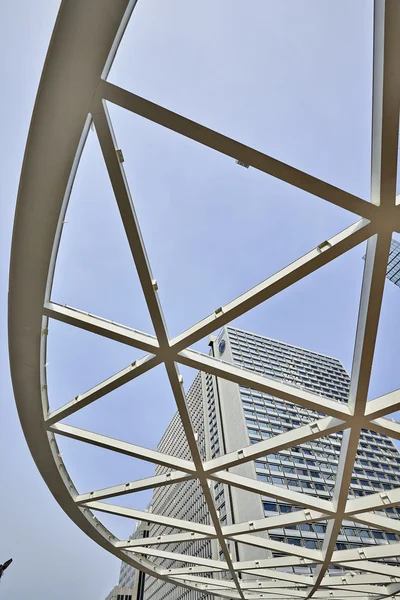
<point x="121" y="593"/>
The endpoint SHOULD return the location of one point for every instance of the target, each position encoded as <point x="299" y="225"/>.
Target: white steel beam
<point x="366" y="553"/>
<point x="385" y="130"/>
<point x="142" y="515"/>
<point x="173" y="538"/>
<point x="385" y="104"/>
<point x="270" y="565"/>
<point x="102" y="441"/>
<point x="149" y="287"/>
<point x="176" y="556"/>
<point x="278" y="521"/>
<point x="246" y="585"/>
<point x="123" y="197"/>
<point x="312" y="555"/>
<point x="268" y="544"/>
<point x="386" y="498"/>
<point x="377" y="521"/>
<point x="132" y="230"/>
<point x="134" y="486"/>
<point x="273" y="545"/>
<point x="238" y="151"/>
<point x="371" y="298"/>
<point x="176" y="382"/>
<point x="307" y="264"/>
<point x="245" y="377"/>
<point x="352" y="579"/>
<point x="378" y="568"/>
<point x="173" y="572"/>
<point x="385" y="426"/>
<point x="279" y="442"/>
<point x="275" y="491"/>
<point x="368" y="319"/>
<point x="135" y="369"/>
<point x="100" y="326"/>
<point x="384" y="405"/>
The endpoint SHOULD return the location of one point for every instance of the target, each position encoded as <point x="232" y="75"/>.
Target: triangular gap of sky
<point x="93" y="468"/>
<point x="121" y="527"/>
<point x="268" y="74"/>
<point x="385" y="375"/>
<point x="77" y="360"/>
<point x="137" y="412"/>
<point x="95" y="271"/>
<point x="317" y="313"/>
<point x="213" y="228"/>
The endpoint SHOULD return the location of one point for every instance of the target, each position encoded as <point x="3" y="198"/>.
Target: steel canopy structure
<point x="73" y="93"/>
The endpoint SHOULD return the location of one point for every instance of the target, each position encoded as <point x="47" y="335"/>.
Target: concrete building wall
<point x="184" y="500"/>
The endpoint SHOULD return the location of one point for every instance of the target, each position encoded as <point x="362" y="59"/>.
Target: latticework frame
<point x="84" y="43"/>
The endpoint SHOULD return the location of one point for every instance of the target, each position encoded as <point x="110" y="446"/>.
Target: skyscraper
<point x="393" y="268"/>
<point x="229" y="417"/>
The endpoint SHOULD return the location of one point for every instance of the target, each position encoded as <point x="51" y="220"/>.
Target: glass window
<point x="306" y="485"/>
<point x="271" y="506"/>
<point x="341" y="546"/>
<point x="294" y="541"/>
<point x="277" y="480"/>
<point x="275" y="467"/>
<point x="365" y="533"/>
<point x="293" y="483"/>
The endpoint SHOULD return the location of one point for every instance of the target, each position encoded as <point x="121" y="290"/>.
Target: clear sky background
<point x="291" y="78"/>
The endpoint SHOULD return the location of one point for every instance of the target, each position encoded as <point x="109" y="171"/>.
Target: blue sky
<point x="293" y="79"/>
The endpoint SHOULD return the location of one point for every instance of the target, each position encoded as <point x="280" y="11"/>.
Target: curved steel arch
<point x="72" y="93"/>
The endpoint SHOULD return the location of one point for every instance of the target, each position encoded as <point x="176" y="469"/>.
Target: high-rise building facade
<point x="228" y="417"/>
<point x="393" y="268"/>
<point x="182" y="500"/>
<point x="248" y="416"/>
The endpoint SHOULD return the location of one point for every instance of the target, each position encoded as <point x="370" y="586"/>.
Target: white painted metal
<point x="55" y="142"/>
